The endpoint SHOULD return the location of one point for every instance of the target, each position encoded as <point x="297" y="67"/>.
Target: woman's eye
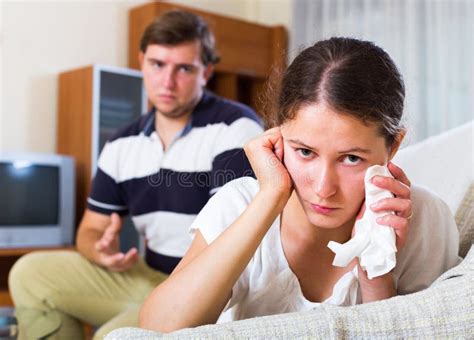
<point x="352" y="160"/>
<point x="305" y="153"/>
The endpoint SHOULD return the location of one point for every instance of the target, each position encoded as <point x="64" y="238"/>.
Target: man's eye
<point x="157" y="64"/>
<point x="352" y="160"/>
<point x="186" y="69"/>
<point x="305" y="153"/>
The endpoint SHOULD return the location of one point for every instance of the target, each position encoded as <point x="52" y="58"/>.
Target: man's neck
<point x="168" y="127"/>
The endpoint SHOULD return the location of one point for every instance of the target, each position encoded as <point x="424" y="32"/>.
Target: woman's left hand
<point x="382" y="287"/>
<point x="401" y="205"/>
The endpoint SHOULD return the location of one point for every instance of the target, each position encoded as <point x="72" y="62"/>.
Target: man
<point x="161" y="170"/>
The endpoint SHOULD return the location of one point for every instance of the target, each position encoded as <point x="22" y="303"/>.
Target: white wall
<point x="38" y="40"/>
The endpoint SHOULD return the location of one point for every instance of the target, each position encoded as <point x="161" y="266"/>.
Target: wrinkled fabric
<point x="268" y="285"/>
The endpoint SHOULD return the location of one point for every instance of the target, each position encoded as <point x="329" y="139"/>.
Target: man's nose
<point x="169" y="78"/>
<point x="325" y="184"/>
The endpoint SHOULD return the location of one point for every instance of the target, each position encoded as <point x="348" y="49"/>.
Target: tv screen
<point x="29" y="194"/>
<point x="36" y="200"/>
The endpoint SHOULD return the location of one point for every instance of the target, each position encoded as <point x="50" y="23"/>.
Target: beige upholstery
<point x="444" y="310"/>
<point x="465" y="221"/>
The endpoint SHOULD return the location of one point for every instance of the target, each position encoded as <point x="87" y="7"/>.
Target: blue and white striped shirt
<point x="164" y="190"/>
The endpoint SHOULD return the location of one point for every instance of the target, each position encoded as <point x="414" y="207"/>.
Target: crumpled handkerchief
<point x="374" y="244"/>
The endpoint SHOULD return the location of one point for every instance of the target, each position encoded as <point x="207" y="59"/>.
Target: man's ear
<point x="208" y="73"/>
<point x="141" y="58"/>
<point x="396" y="143"/>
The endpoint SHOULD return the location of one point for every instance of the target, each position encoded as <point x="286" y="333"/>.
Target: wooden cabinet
<point x="248" y="50"/>
<point x="93" y="102"/>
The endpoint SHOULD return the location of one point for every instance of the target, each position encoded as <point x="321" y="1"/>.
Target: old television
<point x="37" y="200"/>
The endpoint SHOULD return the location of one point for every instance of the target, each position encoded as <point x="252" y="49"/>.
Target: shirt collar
<point x="149" y="126"/>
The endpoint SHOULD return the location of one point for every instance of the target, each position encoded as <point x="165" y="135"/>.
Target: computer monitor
<point x="37" y="200"/>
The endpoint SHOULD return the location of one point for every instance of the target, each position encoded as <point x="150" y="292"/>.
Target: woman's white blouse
<point x="269" y="286"/>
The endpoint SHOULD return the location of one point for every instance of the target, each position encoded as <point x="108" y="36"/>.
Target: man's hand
<point x="108" y="248"/>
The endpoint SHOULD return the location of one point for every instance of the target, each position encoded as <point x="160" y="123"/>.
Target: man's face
<point x="174" y="76"/>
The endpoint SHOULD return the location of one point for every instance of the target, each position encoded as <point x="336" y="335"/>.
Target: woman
<point x="260" y="246"/>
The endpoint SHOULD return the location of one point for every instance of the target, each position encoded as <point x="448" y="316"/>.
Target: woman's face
<point x="327" y="154"/>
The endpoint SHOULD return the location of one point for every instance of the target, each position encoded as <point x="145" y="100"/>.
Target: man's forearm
<point x="85" y="243"/>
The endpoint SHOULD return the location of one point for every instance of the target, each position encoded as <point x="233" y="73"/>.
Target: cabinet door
<point x="121" y="101"/>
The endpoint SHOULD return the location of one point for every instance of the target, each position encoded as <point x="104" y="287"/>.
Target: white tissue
<point x="374" y="244"/>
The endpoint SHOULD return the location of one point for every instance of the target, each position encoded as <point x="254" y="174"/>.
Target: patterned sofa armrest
<point x="444" y="310"/>
<point x="465" y="221"/>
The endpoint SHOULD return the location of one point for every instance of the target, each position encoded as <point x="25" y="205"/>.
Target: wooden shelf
<point x="5" y="299"/>
<point x="7" y="252"/>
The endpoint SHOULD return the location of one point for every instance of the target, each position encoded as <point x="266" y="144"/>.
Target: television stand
<point x="8" y="257"/>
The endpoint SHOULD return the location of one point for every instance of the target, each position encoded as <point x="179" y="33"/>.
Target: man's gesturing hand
<point x="108" y="248"/>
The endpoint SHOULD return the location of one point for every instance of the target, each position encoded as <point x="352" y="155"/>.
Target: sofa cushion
<point x="465" y="221"/>
<point x="444" y="310"/>
<point x="443" y="163"/>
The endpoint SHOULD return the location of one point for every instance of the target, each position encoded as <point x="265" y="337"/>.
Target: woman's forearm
<point x="197" y="293"/>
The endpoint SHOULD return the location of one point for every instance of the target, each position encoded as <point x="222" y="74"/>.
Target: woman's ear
<point x="396" y="143"/>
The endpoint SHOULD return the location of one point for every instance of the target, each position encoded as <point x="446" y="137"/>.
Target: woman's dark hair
<point x="178" y="26"/>
<point x="350" y="76"/>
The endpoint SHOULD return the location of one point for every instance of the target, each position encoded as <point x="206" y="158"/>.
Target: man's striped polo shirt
<point x="163" y="191"/>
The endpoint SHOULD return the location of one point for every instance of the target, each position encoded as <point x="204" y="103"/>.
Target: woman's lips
<point x="322" y="209"/>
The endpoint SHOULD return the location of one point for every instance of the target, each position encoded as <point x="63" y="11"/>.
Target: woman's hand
<point x="399" y="186"/>
<point x="265" y="154"/>
<point x="382" y="287"/>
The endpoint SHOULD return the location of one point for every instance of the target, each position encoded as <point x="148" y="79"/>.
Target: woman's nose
<point x="325" y="185"/>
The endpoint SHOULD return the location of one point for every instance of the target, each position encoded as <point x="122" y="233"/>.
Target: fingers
<point x="121" y="261"/>
<point x="130" y="258"/>
<point x="399" y="225"/>
<point x="111" y="261"/>
<point x="402" y="207"/>
<point x="115" y="222"/>
<point x="398" y="173"/>
<point x="110" y="234"/>
<point x="401" y="204"/>
<point x="393" y="185"/>
<point x="106" y="240"/>
<point x="278" y="147"/>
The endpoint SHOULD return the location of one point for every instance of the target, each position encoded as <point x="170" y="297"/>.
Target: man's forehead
<point x="187" y="52"/>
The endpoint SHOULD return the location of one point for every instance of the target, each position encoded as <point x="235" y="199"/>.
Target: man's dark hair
<point x="178" y="26"/>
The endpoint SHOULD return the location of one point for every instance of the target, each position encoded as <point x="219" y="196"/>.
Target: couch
<point x="445" y="164"/>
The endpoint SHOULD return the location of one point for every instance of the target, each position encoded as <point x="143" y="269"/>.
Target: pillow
<point x="465" y="221"/>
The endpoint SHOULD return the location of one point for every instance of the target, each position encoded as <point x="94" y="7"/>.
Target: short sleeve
<point x="106" y="196"/>
<point x="432" y="243"/>
<point x="224" y="208"/>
